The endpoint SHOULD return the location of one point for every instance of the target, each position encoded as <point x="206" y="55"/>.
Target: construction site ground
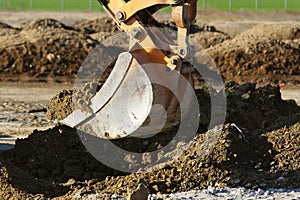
<point x="41" y="53"/>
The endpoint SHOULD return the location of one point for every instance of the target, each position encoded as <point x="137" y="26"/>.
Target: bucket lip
<point x="104" y="94"/>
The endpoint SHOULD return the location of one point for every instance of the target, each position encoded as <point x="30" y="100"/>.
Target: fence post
<point x="91" y="5"/>
<point x="230" y="5"/>
<point x="31" y="4"/>
<point x="286" y="4"/>
<point x="256" y="4"/>
<point x="62" y="5"/>
<point x="204" y="4"/>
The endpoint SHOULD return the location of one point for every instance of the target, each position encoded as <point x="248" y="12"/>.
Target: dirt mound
<point x="55" y="162"/>
<point x="239" y="159"/>
<point x="249" y="107"/>
<point x="252" y="150"/>
<point x="273" y="31"/>
<point x="44" y="50"/>
<point x="103" y="24"/>
<point x="258" y="60"/>
<point x="42" y="24"/>
<point x="47" y="50"/>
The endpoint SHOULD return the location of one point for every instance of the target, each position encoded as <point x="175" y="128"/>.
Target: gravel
<point x="232" y="193"/>
<point x="209" y="193"/>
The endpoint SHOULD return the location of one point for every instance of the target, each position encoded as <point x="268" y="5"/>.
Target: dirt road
<point x="23" y="107"/>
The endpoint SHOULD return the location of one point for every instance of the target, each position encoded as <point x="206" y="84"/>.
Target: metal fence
<point x="93" y="5"/>
<point x="250" y="4"/>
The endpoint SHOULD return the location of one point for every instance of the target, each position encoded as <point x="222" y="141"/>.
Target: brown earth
<point x="263" y="54"/>
<point x="263" y="154"/>
<point x="42" y="51"/>
<point x="47" y="50"/>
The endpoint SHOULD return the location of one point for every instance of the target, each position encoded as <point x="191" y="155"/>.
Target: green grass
<point x="51" y="5"/>
<point x="84" y="5"/>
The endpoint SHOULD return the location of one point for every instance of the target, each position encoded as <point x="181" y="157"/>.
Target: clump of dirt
<point x="258" y="60"/>
<point x="253" y="150"/>
<point x="44" y="50"/>
<point x="62" y="104"/>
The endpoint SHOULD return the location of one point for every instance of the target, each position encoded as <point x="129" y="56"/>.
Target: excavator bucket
<point x="122" y="104"/>
<point x="136" y="99"/>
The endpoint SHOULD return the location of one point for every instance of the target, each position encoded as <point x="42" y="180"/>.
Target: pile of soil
<point x="44" y="50"/>
<point x="258" y="147"/>
<point x="258" y="59"/>
<point x="47" y="50"/>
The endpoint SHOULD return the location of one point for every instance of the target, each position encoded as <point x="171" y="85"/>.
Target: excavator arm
<point x="146" y="75"/>
<point x="130" y="14"/>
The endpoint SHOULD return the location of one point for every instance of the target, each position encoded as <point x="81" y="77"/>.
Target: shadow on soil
<point x="54" y="162"/>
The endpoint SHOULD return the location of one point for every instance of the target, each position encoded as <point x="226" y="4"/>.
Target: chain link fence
<point x="93" y="5"/>
<point x="250" y="4"/>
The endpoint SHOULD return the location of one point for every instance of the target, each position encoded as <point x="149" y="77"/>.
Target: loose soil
<point x="258" y="147"/>
<point x="262" y="55"/>
<point x="47" y="50"/>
